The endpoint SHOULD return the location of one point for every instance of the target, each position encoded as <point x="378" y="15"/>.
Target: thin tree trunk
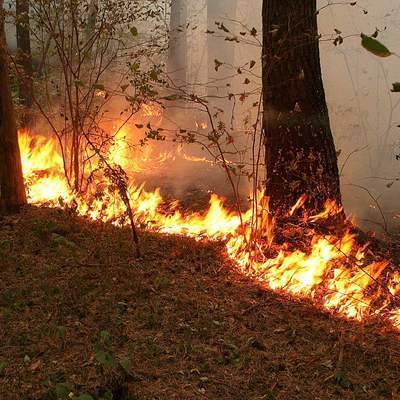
<point x="177" y="57"/>
<point x="300" y="151"/>
<point x="76" y="159"/>
<point x="24" y="55"/>
<point x="12" y="190"/>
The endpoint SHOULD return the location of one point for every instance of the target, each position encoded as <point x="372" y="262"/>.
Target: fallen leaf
<point x="36" y="365"/>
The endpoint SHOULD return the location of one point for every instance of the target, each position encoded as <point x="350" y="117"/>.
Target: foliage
<point x="374" y="46"/>
<point x="91" y="55"/>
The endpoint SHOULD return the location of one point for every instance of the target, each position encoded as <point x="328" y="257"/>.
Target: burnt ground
<point x="79" y="314"/>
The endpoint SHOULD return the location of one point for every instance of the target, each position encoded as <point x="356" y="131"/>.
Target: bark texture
<point x="300" y="150"/>
<point x="12" y="190"/>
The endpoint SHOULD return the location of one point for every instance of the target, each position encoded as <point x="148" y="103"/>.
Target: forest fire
<point x="334" y="271"/>
<point x="199" y="199"/>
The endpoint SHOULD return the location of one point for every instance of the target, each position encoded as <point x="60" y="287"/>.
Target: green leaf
<point x="374" y="46"/>
<point x="135" y="67"/>
<point x="99" y="86"/>
<point x="61" y="331"/>
<point x="104" y="358"/>
<point x="108" y="395"/>
<point x="84" y="397"/>
<point x="134" y="31"/>
<point x="3" y="366"/>
<point x="105" y="337"/>
<point x="62" y="241"/>
<point x="125" y="363"/>
<point x="396" y="87"/>
<point x="62" y="391"/>
<point x="79" y="83"/>
<point x="154" y="75"/>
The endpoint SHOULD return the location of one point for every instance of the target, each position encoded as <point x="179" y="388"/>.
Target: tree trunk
<point x="12" y="190"/>
<point x="177" y="57"/>
<point x="300" y="151"/>
<point x="24" y="55"/>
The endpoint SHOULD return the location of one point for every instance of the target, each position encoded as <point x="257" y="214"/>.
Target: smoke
<point x="364" y="113"/>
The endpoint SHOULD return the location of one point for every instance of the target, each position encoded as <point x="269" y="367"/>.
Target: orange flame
<point x="331" y="271"/>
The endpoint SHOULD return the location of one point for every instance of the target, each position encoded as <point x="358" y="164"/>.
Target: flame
<point x="201" y="125"/>
<point x="151" y="110"/>
<point x="331" y="209"/>
<point x="299" y="203"/>
<point x="334" y="272"/>
<point x="43" y="168"/>
<point x="118" y="151"/>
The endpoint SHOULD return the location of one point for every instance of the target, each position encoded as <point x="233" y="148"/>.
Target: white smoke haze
<point x="364" y="113"/>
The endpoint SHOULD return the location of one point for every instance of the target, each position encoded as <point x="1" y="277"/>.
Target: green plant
<point x="105" y="357"/>
<point x="62" y="390"/>
<point x="3" y="366"/>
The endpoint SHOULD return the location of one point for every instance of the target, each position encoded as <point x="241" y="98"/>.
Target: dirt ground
<point x="81" y="317"/>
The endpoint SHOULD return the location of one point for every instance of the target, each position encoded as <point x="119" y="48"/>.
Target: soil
<point x="80" y="316"/>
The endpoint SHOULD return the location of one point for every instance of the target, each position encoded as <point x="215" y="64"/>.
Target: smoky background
<point x="364" y="113"/>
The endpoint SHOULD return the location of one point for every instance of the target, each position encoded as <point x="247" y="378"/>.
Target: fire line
<point x="334" y="272"/>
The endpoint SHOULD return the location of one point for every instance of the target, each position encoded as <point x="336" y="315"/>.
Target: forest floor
<point x="78" y="313"/>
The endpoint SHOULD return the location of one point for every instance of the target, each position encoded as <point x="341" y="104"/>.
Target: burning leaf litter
<point x="334" y="271"/>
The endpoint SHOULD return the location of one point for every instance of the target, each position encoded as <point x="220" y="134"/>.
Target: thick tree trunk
<point x="177" y="57"/>
<point x="12" y="190"/>
<point x="218" y="48"/>
<point x="24" y="55"/>
<point x="300" y="151"/>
